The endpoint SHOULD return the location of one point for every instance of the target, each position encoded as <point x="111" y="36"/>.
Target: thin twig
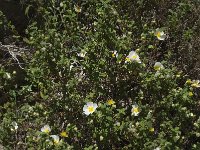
<point x="14" y="51"/>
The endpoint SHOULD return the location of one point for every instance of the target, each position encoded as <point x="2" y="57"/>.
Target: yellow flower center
<point x="158" y="34"/>
<point x="56" y="141"/>
<point x="113" y="55"/>
<point x="134" y="56"/>
<point x="135" y="110"/>
<point x="151" y="129"/>
<point x="190" y="94"/>
<point x="63" y="134"/>
<point x="128" y="59"/>
<point x="90" y="109"/>
<point x="195" y="84"/>
<point x="188" y="81"/>
<point x="110" y="102"/>
<point x="157" y="67"/>
<point x="46" y="130"/>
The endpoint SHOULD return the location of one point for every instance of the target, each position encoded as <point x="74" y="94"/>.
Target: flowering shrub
<point x="95" y="82"/>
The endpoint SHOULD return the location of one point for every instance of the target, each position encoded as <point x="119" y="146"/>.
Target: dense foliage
<point x="104" y="74"/>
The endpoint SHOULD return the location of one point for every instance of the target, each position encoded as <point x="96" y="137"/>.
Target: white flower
<point x="158" y="66"/>
<point x="15" y="125"/>
<point x="77" y="8"/>
<point x="117" y="124"/>
<point x="46" y="129"/>
<point x="157" y="148"/>
<point x="89" y="108"/>
<point x="135" y="110"/>
<point x="101" y="138"/>
<point x="82" y="54"/>
<point x="114" y="54"/>
<point x="56" y="139"/>
<point x="160" y="34"/>
<point x="133" y="56"/>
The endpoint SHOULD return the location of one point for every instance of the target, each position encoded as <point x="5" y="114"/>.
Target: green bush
<point x="108" y="53"/>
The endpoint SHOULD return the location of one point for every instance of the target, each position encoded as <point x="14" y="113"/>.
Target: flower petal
<point x="85" y="107"/>
<point x="86" y="112"/>
<point x="95" y="105"/>
<point x="89" y="103"/>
